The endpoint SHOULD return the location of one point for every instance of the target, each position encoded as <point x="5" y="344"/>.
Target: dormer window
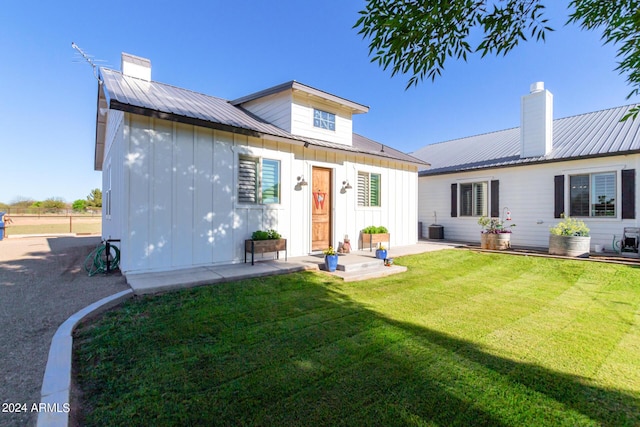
<point x="324" y="120"/>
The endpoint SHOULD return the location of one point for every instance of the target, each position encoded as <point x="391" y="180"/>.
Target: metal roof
<point x="153" y="99"/>
<point x="596" y="134"/>
<point x="355" y="107"/>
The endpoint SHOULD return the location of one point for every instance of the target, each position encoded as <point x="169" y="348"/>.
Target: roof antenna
<point x="90" y="61"/>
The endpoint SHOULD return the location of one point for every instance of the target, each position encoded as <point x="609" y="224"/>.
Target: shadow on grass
<point x="292" y="350"/>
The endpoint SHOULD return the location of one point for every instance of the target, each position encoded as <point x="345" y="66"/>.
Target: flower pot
<point x="576" y="246"/>
<point x="381" y="253"/>
<point x="331" y="262"/>
<point x="495" y="241"/>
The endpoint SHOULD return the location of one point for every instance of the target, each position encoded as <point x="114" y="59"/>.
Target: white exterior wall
<point x="302" y="120"/>
<point x="112" y="171"/>
<point x="528" y="191"/>
<point x="176" y="206"/>
<point x="275" y="109"/>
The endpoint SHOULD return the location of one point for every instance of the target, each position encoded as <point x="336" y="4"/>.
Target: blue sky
<point x="233" y="48"/>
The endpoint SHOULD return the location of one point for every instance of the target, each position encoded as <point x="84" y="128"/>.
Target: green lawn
<point x="462" y="338"/>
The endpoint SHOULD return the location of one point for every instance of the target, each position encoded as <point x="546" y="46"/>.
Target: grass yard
<point x="462" y="338"/>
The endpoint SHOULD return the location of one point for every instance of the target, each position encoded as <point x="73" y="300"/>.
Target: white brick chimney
<point x="536" y="122"/>
<point x="136" y="66"/>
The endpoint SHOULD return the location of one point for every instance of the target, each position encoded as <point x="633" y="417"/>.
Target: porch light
<point x="301" y="181"/>
<point x="346" y="185"/>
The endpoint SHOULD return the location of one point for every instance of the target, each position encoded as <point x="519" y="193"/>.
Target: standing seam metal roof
<point x="151" y="98"/>
<point x="596" y="134"/>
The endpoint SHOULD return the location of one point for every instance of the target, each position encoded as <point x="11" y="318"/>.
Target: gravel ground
<point x="42" y="283"/>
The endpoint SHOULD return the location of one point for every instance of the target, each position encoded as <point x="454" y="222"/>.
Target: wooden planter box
<point x="576" y="246"/>
<point x="374" y="239"/>
<point x="262" y="246"/>
<point x="495" y="241"/>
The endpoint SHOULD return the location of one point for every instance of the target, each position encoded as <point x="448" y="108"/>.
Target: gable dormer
<point x="305" y="111"/>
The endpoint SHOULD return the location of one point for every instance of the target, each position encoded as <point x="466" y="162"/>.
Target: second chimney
<point x="536" y="122"/>
<point x="136" y="66"/>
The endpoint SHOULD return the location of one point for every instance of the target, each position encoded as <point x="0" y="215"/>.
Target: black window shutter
<point x="558" y="196"/>
<point x="454" y="200"/>
<point x="629" y="194"/>
<point x="495" y="198"/>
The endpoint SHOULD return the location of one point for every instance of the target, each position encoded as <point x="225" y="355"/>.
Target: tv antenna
<point x="89" y="60"/>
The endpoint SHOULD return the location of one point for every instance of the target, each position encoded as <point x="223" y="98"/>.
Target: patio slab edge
<point x="56" y="384"/>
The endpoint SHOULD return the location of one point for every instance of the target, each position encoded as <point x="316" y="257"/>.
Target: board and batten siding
<point x="112" y="176"/>
<point x="175" y="203"/>
<point x="528" y="192"/>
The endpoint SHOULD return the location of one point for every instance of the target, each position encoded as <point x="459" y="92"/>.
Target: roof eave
<point x="101" y="127"/>
<point x="434" y="172"/>
<point x="355" y="107"/>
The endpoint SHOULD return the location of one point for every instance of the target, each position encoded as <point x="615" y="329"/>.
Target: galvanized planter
<point x="575" y="246"/>
<point x="495" y="241"/>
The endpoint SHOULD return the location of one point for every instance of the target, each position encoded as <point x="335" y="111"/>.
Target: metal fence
<point x="51" y="212"/>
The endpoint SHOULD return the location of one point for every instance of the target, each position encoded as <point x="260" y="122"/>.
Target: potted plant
<point x="263" y="241"/>
<point x="373" y="235"/>
<point x="330" y="259"/>
<point x="570" y="238"/>
<point x="495" y="235"/>
<point x="381" y="252"/>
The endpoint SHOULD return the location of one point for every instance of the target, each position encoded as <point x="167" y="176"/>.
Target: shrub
<point x="570" y="227"/>
<point x="372" y="229"/>
<point x="265" y="235"/>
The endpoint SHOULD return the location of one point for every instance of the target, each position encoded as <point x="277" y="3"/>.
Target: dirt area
<point x="42" y="283"/>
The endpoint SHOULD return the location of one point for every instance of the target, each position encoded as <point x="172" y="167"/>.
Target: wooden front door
<point x="320" y="209"/>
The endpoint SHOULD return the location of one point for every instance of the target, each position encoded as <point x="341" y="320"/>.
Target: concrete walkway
<point x="148" y="283"/>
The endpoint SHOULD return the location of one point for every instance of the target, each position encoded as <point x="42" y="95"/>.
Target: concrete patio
<point x="358" y="265"/>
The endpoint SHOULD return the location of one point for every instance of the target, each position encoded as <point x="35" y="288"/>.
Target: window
<point x="593" y="194"/>
<point x="258" y="180"/>
<point x="368" y="189"/>
<point x="324" y="120"/>
<point x="473" y="199"/>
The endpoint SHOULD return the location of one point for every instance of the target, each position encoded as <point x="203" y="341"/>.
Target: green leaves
<point x="620" y="20"/>
<point x="417" y="38"/>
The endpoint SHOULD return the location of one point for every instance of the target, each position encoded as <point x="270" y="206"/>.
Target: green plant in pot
<point x="330" y="259"/>
<point x="495" y="233"/>
<point x="570" y="237"/>
<point x="381" y="252"/>
<point x="372" y="235"/>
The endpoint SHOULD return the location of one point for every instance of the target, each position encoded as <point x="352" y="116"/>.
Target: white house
<point x="188" y="177"/>
<point x="584" y="166"/>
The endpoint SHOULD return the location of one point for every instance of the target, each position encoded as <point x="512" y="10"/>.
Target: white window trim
<point x="357" y="189"/>
<point x="313" y="120"/>
<point x="616" y="169"/>
<point x="480" y="180"/>
<point x="259" y="159"/>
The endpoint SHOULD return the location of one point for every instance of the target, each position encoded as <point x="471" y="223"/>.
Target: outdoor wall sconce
<point x="301" y="181"/>
<point x="345" y="186"/>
